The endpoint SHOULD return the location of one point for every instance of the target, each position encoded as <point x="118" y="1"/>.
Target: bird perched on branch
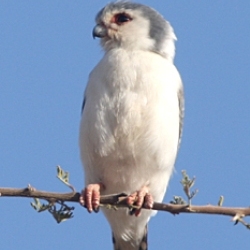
<point x="131" y="117"/>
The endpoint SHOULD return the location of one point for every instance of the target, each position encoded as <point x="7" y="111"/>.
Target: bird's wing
<point x="181" y="112"/>
<point x="83" y="104"/>
<point x="84" y="98"/>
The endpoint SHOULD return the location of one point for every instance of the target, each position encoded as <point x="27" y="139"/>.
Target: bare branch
<point x="30" y="192"/>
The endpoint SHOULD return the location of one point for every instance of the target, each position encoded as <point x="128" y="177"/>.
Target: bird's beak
<point x="99" y="31"/>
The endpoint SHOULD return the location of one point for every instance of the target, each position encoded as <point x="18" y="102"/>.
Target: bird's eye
<point x="122" y="18"/>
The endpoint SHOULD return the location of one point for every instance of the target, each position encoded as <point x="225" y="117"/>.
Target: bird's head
<point x="134" y="26"/>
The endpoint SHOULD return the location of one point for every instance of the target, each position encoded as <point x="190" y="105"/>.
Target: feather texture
<point x="132" y="118"/>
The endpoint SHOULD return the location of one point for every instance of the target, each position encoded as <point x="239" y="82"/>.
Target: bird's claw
<point x="90" y="197"/>
<point x="140" y="199"/>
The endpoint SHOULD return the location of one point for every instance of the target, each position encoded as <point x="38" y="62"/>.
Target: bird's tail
<point x="141" y="244"/>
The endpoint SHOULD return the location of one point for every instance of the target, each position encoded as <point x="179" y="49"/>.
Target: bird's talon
<point x="96" y="209"/>
<point x="90" y="197"/>
<point x="138" y="200"/>
<point x="148" y="201"/>
<point x="132" y="211"/>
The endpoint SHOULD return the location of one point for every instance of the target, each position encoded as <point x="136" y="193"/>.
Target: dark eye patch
<point x="122" y="18"/>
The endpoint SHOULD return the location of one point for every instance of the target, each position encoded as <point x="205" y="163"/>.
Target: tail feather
<point x="144" y="241"/>
<point x="121" y="244"/>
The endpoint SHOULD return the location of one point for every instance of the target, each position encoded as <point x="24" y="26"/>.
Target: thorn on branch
<point x="30" y="188"/>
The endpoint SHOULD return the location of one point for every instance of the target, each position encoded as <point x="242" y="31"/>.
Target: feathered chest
<point x="132" y="100"/>
<point x="119" y="113"/>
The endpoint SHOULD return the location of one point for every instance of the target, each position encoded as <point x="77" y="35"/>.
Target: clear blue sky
<point x="46" y="54"/>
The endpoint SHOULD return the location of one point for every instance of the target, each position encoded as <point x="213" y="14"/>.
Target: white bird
<point x="132" y="117"/>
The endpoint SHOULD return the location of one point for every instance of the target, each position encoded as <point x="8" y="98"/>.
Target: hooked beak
<point x="99" y="31"/>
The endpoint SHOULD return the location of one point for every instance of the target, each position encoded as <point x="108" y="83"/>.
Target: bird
<point x="132" y="118"/>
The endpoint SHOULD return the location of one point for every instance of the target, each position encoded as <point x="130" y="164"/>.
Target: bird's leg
<point x="90" y="197"/>
<point x="140" y="198"/>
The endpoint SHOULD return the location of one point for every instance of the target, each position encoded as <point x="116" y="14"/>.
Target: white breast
<point x="129" y="130"/>
<point x="130" y="123"/>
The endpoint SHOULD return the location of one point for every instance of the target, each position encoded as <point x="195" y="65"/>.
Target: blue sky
<point x="46" y="54"/>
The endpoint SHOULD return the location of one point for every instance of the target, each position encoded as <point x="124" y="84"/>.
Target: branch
<point x="177" y="206"/>
<point x="119" y="201"/>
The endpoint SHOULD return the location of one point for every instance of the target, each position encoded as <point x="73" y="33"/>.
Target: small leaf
<point x="61" y="216"/>
<point x="38" y="206"/>
<point x="221" y="200"/>
<point x="62" y="175"/>
<point x="178" y="200"/>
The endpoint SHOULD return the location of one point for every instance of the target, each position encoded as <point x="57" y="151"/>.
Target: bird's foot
<point x="138" y="199"/>
<point x="90" y="197"/>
